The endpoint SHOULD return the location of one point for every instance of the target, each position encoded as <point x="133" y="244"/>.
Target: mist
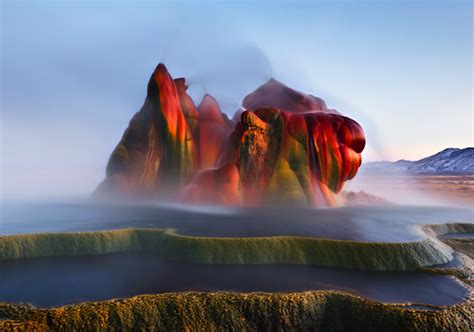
<point x="73" y="74"/>
<point x="68" y="105"/>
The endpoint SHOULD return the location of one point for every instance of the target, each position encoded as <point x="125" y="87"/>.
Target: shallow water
<point x="49" y="282"/>
<point x="384" y="224"/>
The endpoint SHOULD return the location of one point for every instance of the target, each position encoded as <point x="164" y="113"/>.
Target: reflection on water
<point x="387" y="224"/>
<point x="58" y="281"/>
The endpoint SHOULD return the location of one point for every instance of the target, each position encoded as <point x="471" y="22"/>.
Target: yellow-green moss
<point x="306" y="311"/>
<point x="253" y="250"/>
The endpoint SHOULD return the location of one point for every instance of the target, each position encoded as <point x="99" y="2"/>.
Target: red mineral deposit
<point x="282" y="147"/>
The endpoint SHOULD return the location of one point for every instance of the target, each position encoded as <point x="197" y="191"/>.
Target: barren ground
<point x="452" y="189"/>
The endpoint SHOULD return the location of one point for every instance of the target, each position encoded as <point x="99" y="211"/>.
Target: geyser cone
<point x="287" y="148"/>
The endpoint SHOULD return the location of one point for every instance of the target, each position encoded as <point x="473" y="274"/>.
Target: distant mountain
<point x="448" y="161"/>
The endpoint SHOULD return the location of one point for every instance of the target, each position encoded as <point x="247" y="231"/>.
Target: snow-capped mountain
<point x="448" y="161"/>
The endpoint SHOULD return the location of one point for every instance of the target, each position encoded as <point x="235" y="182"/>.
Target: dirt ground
<point x="453" y="187"/>
<point x="450" y="189"/>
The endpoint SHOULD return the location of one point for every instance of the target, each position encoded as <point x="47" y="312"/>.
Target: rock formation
<point x="284" y="147"/>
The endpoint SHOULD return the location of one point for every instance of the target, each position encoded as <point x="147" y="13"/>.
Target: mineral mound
<point x="283" y="147"/>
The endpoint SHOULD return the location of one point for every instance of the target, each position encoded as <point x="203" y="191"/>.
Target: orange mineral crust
<point x="212" y="131"/>
<point x="284" y="147"/>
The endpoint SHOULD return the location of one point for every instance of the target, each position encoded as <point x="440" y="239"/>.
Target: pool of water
<point x="47" y="282"/>
<point x="383" y="224"/>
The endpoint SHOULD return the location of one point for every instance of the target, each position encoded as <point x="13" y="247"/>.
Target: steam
<point x="227" y="73"/>
<point x="65" y="109"/>
<point x="233" y="73"/>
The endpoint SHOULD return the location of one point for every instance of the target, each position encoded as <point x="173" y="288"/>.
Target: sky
<point x="74" y="73"/>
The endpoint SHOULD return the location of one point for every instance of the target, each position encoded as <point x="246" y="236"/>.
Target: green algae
<point x="315" y="311"/>
<point x="251" y="250"/>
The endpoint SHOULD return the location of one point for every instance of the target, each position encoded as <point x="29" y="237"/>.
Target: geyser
<point x="285" y="147"/>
